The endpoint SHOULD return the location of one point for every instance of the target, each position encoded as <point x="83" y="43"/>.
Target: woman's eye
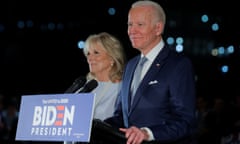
<point x="96" y="52"/>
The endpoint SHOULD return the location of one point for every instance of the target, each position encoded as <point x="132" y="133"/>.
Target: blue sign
<point x="55" y="117"/>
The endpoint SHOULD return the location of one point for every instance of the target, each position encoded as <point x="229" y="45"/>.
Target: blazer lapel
<point x="126" y="87"/>
<point x="150" y="75"/>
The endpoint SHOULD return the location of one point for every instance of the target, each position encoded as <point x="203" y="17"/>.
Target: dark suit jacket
<point x="165" y="99"/>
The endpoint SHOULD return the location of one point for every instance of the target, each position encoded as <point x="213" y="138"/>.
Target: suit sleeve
<point x="181" y="122"/>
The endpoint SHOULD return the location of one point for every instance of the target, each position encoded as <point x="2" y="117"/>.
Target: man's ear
<point x="159" y="28"/>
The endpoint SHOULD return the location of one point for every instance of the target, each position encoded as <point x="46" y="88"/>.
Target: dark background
<point x="38" y="58"/>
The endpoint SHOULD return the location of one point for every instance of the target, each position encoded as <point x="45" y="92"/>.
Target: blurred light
<point x="29" y="23"/>
<point x="221" y="50"/>
<point x="81" y="44"/>
<point x="230" y="49"/>
<point x="170" y="40"/>
<point x="179" y="40"/>
<point x="215" y="27"/>
<point x="214" y="52"/>
<point x="179" y="48"/>
<point x="204" y="18"/>
<point x="60" y="26"/>
<point x="51" y="26"/>
<point x="111" y="11"/>
<point x="224" y="69"/>
<point x="196" y="77"/>
<point x="20" y="24"/>
<point x="2" y="28"/>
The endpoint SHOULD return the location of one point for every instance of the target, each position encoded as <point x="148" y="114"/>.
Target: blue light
<point x="179" y="40"/>
<point x="224" y="68"/>
<point x="204" y="18"/>
<point x="20" y="24"/>
<point x="179" y="48"/>
<point x="29" y="23"/>
<point x="230" y="49"/>
<point x="81" y="44"/>
<point x="215" y="27"/>
<point x="111" y="11"/>
<point x="170" y="40"/>
<point x="51" y="26"/>
<point x="221" y="50"/>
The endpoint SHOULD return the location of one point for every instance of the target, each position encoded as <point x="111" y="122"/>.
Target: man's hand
<point x="135" y="135"/>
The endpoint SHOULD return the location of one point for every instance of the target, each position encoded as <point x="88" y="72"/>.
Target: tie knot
<point x="142" y="61"/>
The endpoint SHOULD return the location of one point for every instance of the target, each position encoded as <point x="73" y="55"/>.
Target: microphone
<point x="78" y="83"/>
<point x="89" y="86"/>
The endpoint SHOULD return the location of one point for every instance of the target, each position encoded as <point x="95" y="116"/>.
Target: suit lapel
<point x="150" y="75"/>
<point x="126" y="87"/>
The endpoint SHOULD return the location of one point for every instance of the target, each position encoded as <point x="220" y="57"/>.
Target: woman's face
<point x="99" y="61"/>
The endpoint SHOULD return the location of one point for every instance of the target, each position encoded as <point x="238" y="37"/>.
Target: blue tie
<point x="137" y="77"/>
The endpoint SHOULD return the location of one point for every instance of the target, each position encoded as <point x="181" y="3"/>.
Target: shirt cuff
<point x="149" y="132"/>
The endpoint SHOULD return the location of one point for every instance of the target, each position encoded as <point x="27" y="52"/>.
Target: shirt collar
<point x="154" y="52"/>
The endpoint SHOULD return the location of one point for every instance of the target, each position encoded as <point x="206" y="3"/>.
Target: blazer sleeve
<point x="182" y="120"/>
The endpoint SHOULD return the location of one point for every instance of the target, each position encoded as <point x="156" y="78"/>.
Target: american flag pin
<point x="157" y="65"/>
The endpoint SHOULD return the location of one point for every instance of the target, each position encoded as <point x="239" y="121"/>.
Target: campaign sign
<point x="55" y="117"/>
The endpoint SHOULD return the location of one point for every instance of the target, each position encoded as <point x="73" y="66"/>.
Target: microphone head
<point x="80" y="80"/>
<point x="77" y="84"/>
<point x="89" y="86"/>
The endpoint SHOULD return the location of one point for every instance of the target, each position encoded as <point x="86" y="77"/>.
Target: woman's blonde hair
<point x="113" y="48"/>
